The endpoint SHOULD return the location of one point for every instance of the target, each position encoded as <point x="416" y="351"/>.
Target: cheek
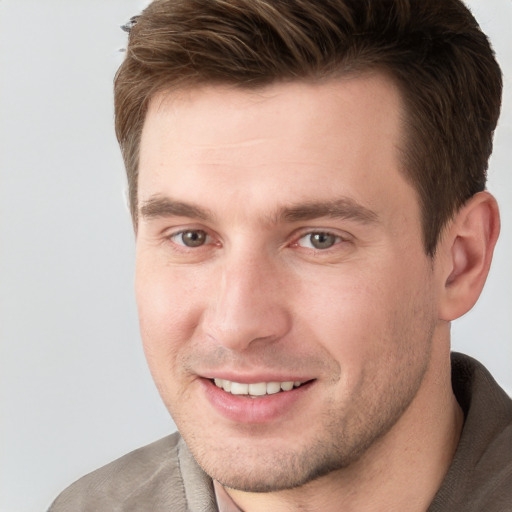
<point x="168" y="318"/>
<point x="342" y="308"/>
<point x="365" y="315"/>
<point x="168" y="310"/>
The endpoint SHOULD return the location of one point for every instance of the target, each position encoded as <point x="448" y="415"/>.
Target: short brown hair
<point x="434" y="50"/>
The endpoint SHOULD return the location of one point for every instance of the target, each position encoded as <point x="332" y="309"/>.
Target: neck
<point x="402" y="471"/>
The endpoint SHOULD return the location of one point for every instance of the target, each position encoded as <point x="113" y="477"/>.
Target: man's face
<point x="279" y="247"/>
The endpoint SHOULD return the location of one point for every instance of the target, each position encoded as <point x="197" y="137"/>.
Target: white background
<point x="74" y="389"/>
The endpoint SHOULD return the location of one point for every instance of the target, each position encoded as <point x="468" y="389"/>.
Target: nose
<point x="248" y="304"/>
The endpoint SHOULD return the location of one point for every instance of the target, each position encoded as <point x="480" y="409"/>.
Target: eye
<point x="319" y="240"/>
<point x="190" y="238"/>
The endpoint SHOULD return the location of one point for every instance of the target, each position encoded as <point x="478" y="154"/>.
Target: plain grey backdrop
<point x="74" y="389"/>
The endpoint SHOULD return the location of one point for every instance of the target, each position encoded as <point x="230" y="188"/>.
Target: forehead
<point x="368" y="102"/>
<point x="284" y="143"/>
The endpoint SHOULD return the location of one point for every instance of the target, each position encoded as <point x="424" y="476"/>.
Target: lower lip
<point x="244" y="409"/>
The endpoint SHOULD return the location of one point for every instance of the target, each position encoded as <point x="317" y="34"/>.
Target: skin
<point x="365" y="318"/>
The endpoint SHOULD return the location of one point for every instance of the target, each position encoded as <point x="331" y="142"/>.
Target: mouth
<point x="256" y="390"/>
<point x="256" y="402"/>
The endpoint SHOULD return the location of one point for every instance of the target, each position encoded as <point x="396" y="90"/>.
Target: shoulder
<point x="480" y="477"/>
<point x="149" y="478"/>
<point x="487" y="481"/>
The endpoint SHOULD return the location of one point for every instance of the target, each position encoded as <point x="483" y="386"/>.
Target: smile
<point x="256" y="389"/>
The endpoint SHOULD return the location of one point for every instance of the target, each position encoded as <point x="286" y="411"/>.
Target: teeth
<point x="239" y="389"/>
<point x="257" y="389"/>
<point x="273" y="387"/>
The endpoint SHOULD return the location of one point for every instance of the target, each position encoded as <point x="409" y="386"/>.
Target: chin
<point x="265" y="468"/>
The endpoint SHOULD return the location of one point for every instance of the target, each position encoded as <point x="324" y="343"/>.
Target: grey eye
<point x="319" y="240"/>
<point x="193" y="238"/>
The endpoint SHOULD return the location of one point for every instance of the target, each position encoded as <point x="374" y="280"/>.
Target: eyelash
<point x="337" y="239"/>
<point x="173" y="236"/>
<point x="180" y="245"/>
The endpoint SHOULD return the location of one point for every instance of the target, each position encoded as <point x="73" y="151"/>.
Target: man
<point x="307" y="185"/>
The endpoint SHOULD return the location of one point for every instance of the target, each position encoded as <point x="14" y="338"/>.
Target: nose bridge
<point x="247" y="303"/>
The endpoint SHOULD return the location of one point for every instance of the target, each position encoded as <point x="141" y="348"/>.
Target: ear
<point x="467" y="250"/>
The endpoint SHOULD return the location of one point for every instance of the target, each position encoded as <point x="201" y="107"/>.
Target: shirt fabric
<point x="164" y="476"/>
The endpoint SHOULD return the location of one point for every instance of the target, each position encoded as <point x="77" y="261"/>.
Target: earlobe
<point x="469" y="246"/>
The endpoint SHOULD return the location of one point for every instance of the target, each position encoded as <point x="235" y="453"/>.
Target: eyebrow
<point x="158" y="206"/>
<point x="343" y="208"/>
